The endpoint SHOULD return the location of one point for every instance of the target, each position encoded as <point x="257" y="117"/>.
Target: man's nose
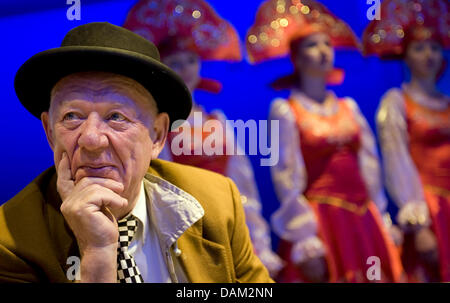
<point x="92" y="136"/>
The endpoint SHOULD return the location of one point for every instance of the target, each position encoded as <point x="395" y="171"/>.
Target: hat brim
<point x="37" y="76"/>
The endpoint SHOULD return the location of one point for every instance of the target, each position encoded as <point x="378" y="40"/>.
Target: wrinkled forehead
<point x="89" y="86"/>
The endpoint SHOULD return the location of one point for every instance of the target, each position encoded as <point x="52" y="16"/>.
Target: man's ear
<point x="45" y="119"/>
<point x="160" y="131"/>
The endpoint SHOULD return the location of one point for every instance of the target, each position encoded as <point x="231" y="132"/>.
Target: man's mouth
<point x="100" y="171"/>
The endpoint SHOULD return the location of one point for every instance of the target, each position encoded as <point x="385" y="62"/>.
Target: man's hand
<point x="89" y="208"/>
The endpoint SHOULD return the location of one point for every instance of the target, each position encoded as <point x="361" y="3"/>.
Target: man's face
<point x="108" y="126"/>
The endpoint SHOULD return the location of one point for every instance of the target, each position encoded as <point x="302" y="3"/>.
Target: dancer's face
<point x="187" y="65"/>
<point x="424" y="58"/>
<point x="314" y="55"/>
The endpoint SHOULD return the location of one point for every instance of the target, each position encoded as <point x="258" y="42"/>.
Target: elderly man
<point x="106" y="103"/>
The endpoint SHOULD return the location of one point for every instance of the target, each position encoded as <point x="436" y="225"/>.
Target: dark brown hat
<point x="108" y="48"/>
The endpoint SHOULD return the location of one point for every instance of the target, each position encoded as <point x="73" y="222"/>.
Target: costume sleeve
<point x="402" y="178"/>
<point x="368" y="159"/>
<point x="294" y="221"/>
<point x="240" y="170"/>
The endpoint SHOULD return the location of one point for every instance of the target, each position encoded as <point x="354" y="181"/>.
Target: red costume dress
<point x="414" y="130"/>
<point x="329" y="184"/>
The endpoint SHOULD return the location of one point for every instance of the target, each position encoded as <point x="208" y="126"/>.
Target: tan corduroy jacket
<point x="36" y="242"/>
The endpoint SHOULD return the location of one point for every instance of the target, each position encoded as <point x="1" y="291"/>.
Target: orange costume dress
<point x="329" y="183"/>
<point x="327" y="179"/>
<point x="194" y="26"/>
<point x="414" y="131"/>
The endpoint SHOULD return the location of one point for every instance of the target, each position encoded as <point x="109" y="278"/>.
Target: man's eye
<point x="70" y="116"/>
<point x="117" y="117"/>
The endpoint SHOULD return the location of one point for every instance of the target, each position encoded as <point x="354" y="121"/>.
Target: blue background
<point x="28" y="27"/>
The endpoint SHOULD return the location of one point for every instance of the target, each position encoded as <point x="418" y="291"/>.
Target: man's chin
<point x="119" y="214"/>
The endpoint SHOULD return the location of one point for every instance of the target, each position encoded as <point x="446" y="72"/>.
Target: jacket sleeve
<point x="13" y="269"/>
<point x="247" y="266"/>
<point x="13" y="264"/>
<point x="29" y="251"/>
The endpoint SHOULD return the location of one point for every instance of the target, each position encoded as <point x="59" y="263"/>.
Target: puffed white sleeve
<point x="368" y="160"/>
<point x="240" y="170"/>
<point x="401" y="176"/>
<point x="294" y="220"/>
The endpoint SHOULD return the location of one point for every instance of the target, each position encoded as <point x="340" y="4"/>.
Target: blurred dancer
<point x="328" y="179"/>
<point x="414" y="129"/>
<point x="186" y="32"/>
